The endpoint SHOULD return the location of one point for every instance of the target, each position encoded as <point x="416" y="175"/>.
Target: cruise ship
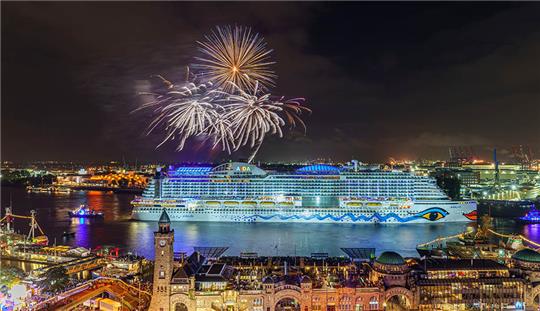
<point x="241" y="192"/>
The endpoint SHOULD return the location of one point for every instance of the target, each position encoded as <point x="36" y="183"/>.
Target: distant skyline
<point x="402" y="80"/>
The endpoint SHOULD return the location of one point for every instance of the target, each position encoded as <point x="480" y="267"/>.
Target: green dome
<point x="390" y="258"/>
<point x="528" y="255"/>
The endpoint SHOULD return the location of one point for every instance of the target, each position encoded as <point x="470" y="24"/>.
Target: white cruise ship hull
<point x="417" y="212"/>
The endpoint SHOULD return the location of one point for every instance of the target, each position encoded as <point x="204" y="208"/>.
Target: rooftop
<point x="390" y="258"/>
<point x="528" y="255"/>
<point x="164" y="219"/>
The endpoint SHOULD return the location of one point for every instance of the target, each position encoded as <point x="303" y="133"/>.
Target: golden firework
<point x="236" y="55"/>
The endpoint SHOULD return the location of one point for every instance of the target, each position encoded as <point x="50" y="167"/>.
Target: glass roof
<point x="190" y="171"/>
<point x="318" y="169"/>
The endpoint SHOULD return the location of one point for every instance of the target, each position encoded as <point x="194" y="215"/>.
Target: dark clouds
<point x="399" y="80"/>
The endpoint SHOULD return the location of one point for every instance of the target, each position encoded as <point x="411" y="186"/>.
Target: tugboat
<point x="84" y="212"/>
<point x="532" y="217"/>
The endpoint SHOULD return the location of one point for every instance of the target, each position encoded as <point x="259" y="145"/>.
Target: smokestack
<point x="355" y="165"/>
<point x="285" y="267"/>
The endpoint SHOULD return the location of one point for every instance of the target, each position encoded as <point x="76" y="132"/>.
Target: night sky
<point x="383" y="80"/>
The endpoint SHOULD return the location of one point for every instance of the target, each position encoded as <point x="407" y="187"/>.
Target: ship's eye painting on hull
<point x="433" y="214"/>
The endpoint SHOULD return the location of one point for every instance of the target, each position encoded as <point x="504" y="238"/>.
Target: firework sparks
<point x="254" y="116"/>
<point x="221" y="132"/>
<point x="235" y="55"/>
<point x="185" y="111"/>
<point x="231" y="107"/>
<point x="293" y="108"/>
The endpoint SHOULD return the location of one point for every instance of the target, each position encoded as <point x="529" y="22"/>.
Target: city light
<point x="152" y="159"/>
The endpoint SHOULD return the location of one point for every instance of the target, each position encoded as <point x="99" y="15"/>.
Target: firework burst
<point x="235" y="55"/>
<point x="185" y="111"/>
<point x="225" y="101"/>
<point x="253" y="116"/>
<point x="220" y="130"/>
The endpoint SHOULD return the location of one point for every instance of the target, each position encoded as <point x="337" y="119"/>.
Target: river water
<point x="116" y="229"/>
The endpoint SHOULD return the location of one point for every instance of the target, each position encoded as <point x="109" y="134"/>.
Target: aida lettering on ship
<point x="241" y="192"/>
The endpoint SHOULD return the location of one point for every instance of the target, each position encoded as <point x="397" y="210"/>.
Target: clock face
<point x="162" y="243"/>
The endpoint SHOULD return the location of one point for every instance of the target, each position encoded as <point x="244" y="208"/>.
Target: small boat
<point x="61" y="190"/>
<point x="68" y="234"/>
<point x="532" y="217"/>
<point x="84" y="212"/>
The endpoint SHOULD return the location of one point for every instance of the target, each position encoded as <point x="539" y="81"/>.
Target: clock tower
<point x="163" y="264"/>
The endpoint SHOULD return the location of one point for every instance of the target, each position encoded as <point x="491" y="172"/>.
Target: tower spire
<point x="164" y="222"/>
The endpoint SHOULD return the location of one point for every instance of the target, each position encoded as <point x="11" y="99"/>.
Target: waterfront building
<point x="506" y="172"/>
<point x="391" y="268"/>
<point x="468" y="177"/>
<point x="163" y="264"/>
<point x="463" y="284"/>
<point x="388" y="282"/>
<point x="526" y="264"/>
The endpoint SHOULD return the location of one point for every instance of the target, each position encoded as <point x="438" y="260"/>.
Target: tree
<point x="10" y="276"/>
<point x="54" y="280"/>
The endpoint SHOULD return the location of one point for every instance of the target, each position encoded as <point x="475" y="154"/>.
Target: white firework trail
<point x="185" y="111"/>
<point x="255" y="116"/>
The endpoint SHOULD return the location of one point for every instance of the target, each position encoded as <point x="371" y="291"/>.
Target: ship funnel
<point x="355" y="165"/>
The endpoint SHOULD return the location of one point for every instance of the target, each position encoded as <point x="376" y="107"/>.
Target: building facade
<point x="389" y="282"/>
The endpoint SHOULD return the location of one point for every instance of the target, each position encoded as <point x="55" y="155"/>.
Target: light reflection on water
<point x="263" y="238"/>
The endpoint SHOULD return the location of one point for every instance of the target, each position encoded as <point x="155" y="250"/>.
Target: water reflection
<point x="265" y="239"/>
<point x="25" y="266"/>
<point x="532" y="231"/>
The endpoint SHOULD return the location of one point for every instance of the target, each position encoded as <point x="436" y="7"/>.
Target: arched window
<point x="180" y="307"/>
<point x="373" y="303"/>
<point x="359" y="305"/>
<point x="258" y="302"/>
<point x="316" y="304"/>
